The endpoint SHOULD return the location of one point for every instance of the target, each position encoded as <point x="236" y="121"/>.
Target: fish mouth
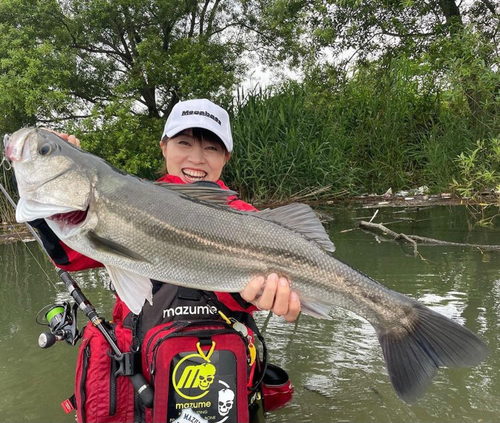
<point x="70" y="218"/>
<point x="17" y="147"/>
<point x="29" y="210"/>
<point x="68" y="224"/>
<point x="194" y="175"/>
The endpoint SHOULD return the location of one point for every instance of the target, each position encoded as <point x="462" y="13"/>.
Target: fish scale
<point x="183" y="235"/>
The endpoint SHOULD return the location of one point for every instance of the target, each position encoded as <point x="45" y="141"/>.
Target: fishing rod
<point x="62" y="323"/>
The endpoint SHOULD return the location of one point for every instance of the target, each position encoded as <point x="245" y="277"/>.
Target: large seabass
<point x="185" y="235"/>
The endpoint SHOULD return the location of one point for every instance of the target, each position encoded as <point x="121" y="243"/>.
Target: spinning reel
<point x="61" y="319"/>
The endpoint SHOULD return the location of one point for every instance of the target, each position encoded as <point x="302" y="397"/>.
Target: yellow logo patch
<point x="193" y="377"/>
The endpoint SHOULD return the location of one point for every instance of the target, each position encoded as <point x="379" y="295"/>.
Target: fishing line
<point x="35" y="235"/>
<point x="6" y="164"/>
<point x="63" y="322"/>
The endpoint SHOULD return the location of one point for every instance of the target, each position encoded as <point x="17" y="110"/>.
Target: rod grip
<point x="143" y="389"/>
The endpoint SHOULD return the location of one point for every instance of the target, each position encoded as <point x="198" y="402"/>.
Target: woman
<point x="196" y="144"/>
<point x="196" y="147"/>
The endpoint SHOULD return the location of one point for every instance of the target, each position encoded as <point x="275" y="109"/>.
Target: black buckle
<point x="125" y="363"/>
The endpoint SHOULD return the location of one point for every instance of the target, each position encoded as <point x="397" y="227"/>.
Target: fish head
<point x="49" y="176"/>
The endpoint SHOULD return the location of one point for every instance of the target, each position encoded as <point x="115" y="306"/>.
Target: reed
<point x="385" y="126"/>
<point x="7" y="212"/>
<point x="283" y="148"/>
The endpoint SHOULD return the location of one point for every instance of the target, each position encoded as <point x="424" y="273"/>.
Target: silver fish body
<point x="140" y="230"/>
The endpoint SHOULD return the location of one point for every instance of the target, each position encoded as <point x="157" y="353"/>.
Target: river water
<point x="336" y="366"/>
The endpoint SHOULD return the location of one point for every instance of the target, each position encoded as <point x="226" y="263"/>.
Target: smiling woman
<point x="62" y="200"/>
<point x="197" y="141"/>
<point x="194" y="154"/>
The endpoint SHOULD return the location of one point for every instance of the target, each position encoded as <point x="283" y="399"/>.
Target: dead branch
<point x="415" y="239"/>
<point x="411" y="241"/>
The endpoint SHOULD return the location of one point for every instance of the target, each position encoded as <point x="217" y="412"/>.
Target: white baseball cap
<point x="199" y="113"/>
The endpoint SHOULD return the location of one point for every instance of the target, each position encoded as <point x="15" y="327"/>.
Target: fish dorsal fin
<point x="302" y="219"/>
<point x="204" y="190"/>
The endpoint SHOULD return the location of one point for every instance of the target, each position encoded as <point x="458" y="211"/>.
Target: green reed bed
<point x="388" y="125"/>
<point x="282" y="148"/>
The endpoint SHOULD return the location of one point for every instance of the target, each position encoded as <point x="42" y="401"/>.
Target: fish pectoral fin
<point x="132" y="289"/>
<point x="315" y="308"/>
<point x="301" y="219"/>
<point x="206" y="191"/>
<point x="106" y="245"/>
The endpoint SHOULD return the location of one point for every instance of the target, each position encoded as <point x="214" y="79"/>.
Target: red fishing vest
<point x="198" y="364"/>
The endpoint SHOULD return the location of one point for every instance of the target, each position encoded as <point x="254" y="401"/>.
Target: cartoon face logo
<point x="225" y="402"/>
<point x="206" y="373"/>
<point x="193" y="381"/>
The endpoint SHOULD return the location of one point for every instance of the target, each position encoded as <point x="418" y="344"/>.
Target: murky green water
<point x="336" y="367"/>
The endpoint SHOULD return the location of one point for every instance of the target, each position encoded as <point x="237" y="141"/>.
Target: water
<point x="336" y="366"/>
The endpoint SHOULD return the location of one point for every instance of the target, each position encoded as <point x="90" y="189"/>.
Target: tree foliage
<point x="87" y="65"/>
<point x="342" y="30"/>
<point x="392" y="92"/>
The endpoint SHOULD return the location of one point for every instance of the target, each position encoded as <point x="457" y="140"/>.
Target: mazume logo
<point x="189" y="310"/>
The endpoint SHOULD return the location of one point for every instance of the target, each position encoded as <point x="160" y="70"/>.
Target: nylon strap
<point x="247" y="320"/>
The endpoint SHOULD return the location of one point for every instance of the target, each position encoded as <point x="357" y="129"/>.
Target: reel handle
<point x="46" y="340"/>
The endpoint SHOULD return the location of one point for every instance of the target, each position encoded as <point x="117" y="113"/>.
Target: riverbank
<point x="384" y="200"/>
<point x="14" y="232"/>
<point x="377" y="201"/>
<point x="19" y="232"/>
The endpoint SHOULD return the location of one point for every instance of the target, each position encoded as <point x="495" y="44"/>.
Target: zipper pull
<point x="253" y="352"/>
<point x="135" y="340"/>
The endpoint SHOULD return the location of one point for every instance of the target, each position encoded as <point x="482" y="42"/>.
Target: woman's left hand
<point x="275" y="296"/>
<point x="70" y="138"/>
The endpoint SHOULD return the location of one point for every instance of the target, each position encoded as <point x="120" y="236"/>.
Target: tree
<point x="452" y="44"/>
<point x="90" y="64"/>
<point x="346" y="29"/>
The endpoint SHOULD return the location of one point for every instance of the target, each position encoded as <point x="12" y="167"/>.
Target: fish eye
<point x="45" y="150"/>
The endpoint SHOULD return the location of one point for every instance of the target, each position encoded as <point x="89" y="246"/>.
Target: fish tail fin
<point x="415" y="351"/>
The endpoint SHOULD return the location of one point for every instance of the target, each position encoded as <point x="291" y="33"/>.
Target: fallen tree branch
<point x="407" y="238"/>
<point x="414" y="239"/>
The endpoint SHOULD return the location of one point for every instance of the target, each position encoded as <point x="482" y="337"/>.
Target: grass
<point x="7" y="212"/>
<point x="378" y="129"/>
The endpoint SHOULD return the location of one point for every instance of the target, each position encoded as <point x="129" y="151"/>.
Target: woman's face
<point x="194" y="159"/>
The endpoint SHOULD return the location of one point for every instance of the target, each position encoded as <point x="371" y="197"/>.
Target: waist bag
<point x="101" y="393"/>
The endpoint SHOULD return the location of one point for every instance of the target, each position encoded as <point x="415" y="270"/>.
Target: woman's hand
<point x="70" y="138"/>
<point x="273" y="294"/>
